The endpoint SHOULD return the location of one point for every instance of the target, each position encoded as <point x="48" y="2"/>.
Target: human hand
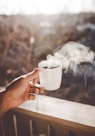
<point x="18" y="90"/>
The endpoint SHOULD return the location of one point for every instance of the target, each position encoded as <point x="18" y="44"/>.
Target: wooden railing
<point x="48" y="116"/>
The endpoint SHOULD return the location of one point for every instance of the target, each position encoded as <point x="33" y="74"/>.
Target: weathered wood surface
<point x="61" y="109"/>
<point x="51" y="117"/>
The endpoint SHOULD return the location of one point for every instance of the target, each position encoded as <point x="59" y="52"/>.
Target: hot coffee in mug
<point x="51" y="74"/>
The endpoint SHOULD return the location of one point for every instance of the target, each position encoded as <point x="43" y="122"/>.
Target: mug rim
<point x="39" y="65"/>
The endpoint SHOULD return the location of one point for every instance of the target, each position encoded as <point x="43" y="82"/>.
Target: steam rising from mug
<point x="73" y="54"/>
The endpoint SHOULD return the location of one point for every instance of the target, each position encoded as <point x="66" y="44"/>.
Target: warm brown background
<point x="18" y="55"/>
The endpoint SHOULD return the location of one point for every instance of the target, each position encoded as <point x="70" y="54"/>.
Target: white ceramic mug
<point x="50" y="78"/>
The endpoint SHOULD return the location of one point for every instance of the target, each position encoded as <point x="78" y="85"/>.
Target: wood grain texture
<point x="50" y="117"/>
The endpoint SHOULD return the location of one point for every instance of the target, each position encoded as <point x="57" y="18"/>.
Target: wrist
<point x="5" y="103"/>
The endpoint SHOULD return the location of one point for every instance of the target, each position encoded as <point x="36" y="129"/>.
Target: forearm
<point x="4" y="104"/>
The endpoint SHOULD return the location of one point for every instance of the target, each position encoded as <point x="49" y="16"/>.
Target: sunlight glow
<point x="45" y="6"/>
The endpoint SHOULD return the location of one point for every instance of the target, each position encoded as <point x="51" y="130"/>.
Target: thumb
<point x="32" y="75"/>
